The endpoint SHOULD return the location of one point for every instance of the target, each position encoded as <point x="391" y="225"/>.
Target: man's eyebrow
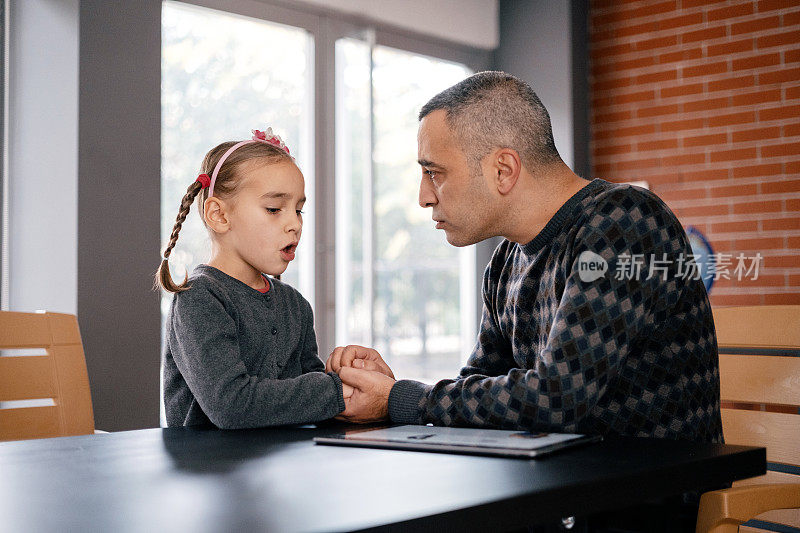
<point x="426" y="163"/>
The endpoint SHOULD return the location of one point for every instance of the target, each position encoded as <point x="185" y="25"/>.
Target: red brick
<point x="757" y="134"/>
<point x="704" y="34"/>
<point x="793" y="243"/>
<point x="628" y="98"/>
<point x="733" y="155"/>
<point x="611" y="150"/>
<point x="706" y="104"/>
<point x="680" y="55"/>
<point x="616" y="66"/>
<point x="683" y="159"/>
<point x="705" y="175"/>
<point x="705" y="140"/>
<point x="782" y="299"/>
<point x="660" y="42"/>
<point x="683" y="194"/>
<point x="654" y="111"/>
<point x="625" y="132"/>
<point x="701" y="211"/>
<point x="761" y="24"/>
<point x="791" y="19"/>
<point x="664" y="144"/>
<point x="614" y="83"/>
<point x="628" y="30"/>
<point x="766" y="60"/>
<point x="697" y="3"/>
<point x="639" y="164"/>
<point x="726" y="84"/>
<point x="781" y="224"/>
<point x="682" y="90"/>
<point x="779" y="113"/>
<point x="723" y="300"/>
<point x="680" y="22"/>
<point x="771" y="169"/>
<point x="779" y="39"/>
<point x="779" y="76"/>
<point x="758" y="97"/>
<point x="791" y="56"/>
<point x="792" y="92"/>
<point x="769" y="5"/>
<point x="735" y="227"/>
<point x="792" y="167"/>
<point x="759" y="243"/>
<point x="793" y="204"/>
<point x="654" y="77"/>
<point x="744" y="45"/>
<point x="780" y="150"/>
<point x="612" y="117"/>
<point x="732" y="118"/>
<point x="794" y="281"/>
<point x="729" y="12"/>
<point x="706" y="69"/>
<point x="683" y="125"/>
<point x="646" y="10"/>
<point x="612" y="50"/>
<point x="734" y="190"/>
<point x="770" y="206"/>
<point x="782" y="261"/>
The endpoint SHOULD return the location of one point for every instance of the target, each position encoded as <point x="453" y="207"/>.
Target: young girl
<point x="241" y="350"/>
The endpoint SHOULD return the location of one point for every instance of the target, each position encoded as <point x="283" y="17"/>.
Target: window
<point x="399" y="283"/>
<point x="221" y="77"/>
<point x="345" y="98"/>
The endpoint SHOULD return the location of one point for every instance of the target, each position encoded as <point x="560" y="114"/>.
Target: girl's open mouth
<point x="287" y="253"/>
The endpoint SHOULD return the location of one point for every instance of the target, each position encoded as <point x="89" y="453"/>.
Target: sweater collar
<point x="563" y="215"/>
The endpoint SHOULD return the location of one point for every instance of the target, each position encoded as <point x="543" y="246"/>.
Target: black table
<point x="278" y="480"/>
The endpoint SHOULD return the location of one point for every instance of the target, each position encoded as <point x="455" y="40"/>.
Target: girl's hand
<point x="360" y="357"/>
<point x="347" y="391"/>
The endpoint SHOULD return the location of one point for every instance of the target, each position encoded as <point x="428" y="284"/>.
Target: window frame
<point x="326" y="26"/>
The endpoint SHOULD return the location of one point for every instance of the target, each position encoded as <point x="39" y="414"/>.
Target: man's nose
<point x="427" y="196"/>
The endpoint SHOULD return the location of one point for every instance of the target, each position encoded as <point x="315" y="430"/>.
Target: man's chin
<point x="459" y="241"/>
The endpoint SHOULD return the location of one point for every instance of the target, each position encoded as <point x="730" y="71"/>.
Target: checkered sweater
<point x="558" y="351"/>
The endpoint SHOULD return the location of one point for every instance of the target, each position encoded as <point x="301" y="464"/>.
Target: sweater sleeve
<point x="206" y="353"/>
<point x="595" y="327"/>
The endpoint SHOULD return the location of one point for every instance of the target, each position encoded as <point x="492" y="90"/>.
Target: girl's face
<point x="265" y="216"/>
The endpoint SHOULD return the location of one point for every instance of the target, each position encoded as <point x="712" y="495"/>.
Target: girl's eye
<point x="273" y="210"/>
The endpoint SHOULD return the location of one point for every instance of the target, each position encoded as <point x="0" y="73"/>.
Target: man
<point x="593" y="319"/>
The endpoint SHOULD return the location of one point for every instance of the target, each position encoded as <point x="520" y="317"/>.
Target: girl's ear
<point x="215" y="215"/>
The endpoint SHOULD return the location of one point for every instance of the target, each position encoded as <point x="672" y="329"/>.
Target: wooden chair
<point x="760" y="387"/>
<point x="41" y="357"/>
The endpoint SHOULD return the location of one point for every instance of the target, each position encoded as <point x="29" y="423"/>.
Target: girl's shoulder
<point x="287" y="293"/>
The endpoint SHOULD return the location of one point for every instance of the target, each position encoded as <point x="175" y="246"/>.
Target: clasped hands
<point x="366" y="382"/>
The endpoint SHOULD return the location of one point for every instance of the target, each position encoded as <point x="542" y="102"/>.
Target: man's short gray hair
<point x="493" y="109"/>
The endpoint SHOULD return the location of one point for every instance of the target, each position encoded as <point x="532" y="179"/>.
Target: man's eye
<point x="299" y="212"/>
<point x="430" y="173"/>
<point x="273" y="210"/>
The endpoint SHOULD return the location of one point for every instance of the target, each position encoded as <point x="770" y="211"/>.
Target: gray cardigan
<point x="237" y="358"/>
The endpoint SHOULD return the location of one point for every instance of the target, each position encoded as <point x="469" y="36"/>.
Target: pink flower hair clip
<point x="270" y="138"/>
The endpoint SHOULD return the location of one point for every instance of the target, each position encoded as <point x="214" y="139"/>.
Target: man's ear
<point x="215" y="215"/>
<point x="507" y="167"/>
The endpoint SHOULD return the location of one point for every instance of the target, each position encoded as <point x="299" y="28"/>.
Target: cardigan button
<point x="274" y="331"/>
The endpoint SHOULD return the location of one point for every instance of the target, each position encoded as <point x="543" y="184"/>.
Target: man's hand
<point x="370" y="399"/>
<point x="355" y="356"/>
<point x="347" y="391"/>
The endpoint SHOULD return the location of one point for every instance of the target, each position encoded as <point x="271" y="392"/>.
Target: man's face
<point x="460" y="200"/>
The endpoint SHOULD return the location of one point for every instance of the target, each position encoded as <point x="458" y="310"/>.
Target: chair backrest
<point x="44" y="386"/>
<point x="759" y="363"/>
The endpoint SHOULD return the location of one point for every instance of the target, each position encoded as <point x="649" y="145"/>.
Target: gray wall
<point x="542" y="42"/>
<point x="118" y="208"/>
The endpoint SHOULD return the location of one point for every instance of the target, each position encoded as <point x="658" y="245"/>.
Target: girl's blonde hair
<point x="228" y="178"/>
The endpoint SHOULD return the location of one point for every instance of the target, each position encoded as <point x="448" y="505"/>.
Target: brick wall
<point x="701" y="99"/>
